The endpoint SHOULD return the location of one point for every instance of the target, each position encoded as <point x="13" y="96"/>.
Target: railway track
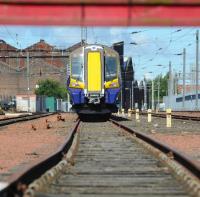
<point x="13" y="120"/>
<point x="108" y="163"/>
<point x="174" y="116"/>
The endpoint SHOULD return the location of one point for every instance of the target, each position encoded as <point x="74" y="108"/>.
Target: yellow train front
<point x="94" y="79"/>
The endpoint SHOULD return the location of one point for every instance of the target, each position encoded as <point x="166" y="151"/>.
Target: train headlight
<point x="76" y="84"/>
<point x="112" y="84"/>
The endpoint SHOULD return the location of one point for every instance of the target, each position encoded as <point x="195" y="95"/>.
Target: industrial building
<point x="21" y="69"/>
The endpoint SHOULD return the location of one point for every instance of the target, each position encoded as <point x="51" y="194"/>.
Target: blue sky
<point x="155" y="46"/>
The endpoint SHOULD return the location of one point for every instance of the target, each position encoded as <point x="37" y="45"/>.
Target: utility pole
<point x="184" y="62"/>
<point x="83" y="35"/>
<point x="86" y="34"/>
<point x="197" y="68"/>
<point x="145" y="94"/>
<point x="130" y="97"/>
<point x="175" y="84"/>
<point x="28" y="80"/>
<point x="158" y="92"/>
<point x="170" y="84"/>
<point x="152" y="94"/>
<point x="133" y="95"/>
<point x="18" y="66"/>
<point x="121" y="99"/>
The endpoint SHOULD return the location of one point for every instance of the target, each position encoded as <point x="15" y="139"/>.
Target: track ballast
<point x="110" y="164"/>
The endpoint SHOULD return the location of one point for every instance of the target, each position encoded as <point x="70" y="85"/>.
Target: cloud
<point x="27" y="35"/>
<point x="66" y="36"/>
<point x="117" y="34"/>
<point x="139" y="38"/>
<point x="148" y="75"/>
<point x="115" y="31"/>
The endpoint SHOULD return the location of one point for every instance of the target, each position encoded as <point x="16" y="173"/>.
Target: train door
<point x="94" y="69"/>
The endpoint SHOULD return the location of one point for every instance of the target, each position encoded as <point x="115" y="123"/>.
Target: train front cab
<point x="75" y="81"/>
<point x="94" y="81"/>
<point x="112" y="78"/>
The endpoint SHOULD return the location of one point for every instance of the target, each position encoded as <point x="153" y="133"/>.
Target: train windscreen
<point x="77" y="68"/>
<point x="110" y="68"/>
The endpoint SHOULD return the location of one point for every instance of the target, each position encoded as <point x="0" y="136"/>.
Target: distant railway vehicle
<point x="94" y="79"/>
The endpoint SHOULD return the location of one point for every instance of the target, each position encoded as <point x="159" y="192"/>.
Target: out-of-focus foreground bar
<point x="133" y="2"/>
<point x="100" y="13"/>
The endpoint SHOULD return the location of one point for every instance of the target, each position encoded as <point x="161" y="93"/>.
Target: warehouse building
<point x="17" y="77"/>
<point x="180" y="103"/>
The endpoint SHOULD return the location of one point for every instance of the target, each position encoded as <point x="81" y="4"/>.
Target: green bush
<point x="50" y="87"/>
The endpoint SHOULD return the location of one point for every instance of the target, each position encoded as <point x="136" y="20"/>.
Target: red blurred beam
<point x="102" y="15"/>
<point x="127" y="2"/>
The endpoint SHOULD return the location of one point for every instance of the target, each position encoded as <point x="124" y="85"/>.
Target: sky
<point x="153" y="45"/>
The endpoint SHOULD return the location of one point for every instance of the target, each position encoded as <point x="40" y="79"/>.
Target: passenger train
<point x="94" y="79"/>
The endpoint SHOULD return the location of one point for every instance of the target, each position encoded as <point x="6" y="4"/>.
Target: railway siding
<point x="21" y="145"/>
<point x="110" y="164"/>
<point x="184" y="135"/>
<point x="23" y="118"/>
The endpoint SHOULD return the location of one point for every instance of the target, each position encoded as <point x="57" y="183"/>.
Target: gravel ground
<point x="183" y="135"/>
<point x="3" y="117"/>
<point x="22" y="144"/>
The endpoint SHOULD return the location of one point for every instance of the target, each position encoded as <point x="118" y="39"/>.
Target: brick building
<point x="188" y="88"/>
<point x="45" y="61"/>
<point x="9" y="81"/>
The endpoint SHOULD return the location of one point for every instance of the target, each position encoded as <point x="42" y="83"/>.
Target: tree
<point x="161" y="81"/>
<point x="50" y="87"/>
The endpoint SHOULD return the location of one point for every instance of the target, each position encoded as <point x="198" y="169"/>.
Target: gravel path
<point x="183" y="135"/>
<point x="22" y="144"/>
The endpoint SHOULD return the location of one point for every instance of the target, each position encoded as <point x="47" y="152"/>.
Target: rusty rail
<point x="23" y="118"/>
<point x="174" y="116"/>
<point x="18" y="182"/>
<point x="181" y="158"/>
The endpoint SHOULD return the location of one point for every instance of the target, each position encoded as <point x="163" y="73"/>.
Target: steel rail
<point x="20" y="116"/>
<point x="181" y="117"/>
<point x="19" y="181"/>
<point x="23" y="118"/>
<point x="181" y="158"/>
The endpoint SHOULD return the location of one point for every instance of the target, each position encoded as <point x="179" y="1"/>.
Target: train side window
<point x="110" y="68"/>
<point x="77" y="68"/>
